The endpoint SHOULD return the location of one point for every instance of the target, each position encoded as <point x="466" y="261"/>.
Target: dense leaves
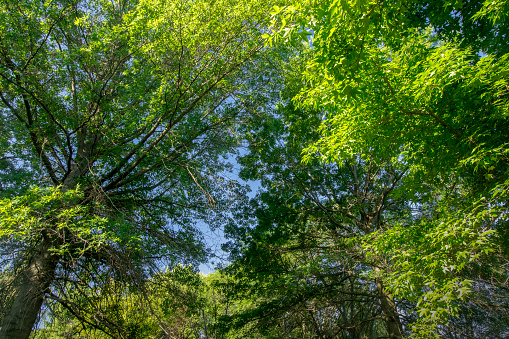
<point x="424" y="84"/>
<point x="132" y="106"/>
<point x="376" y="131"/>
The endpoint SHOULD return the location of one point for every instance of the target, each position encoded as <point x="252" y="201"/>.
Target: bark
<point x="394" y="328"/>
<point x="34" y="283"/>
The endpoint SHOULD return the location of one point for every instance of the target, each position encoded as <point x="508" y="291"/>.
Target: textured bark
<point x="394" y="328"/>
<point x="35" y="281"/>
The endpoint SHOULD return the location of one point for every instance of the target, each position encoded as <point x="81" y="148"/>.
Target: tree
<point x="299" y="255"/>
<point x="423" y="83"/>
<point x="172" y="309"/>
<point x="124" y="108"/>
<point x="179" y="303"/>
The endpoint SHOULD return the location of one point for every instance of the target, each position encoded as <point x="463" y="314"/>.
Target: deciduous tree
<point x="120" y="111"/>
<point x="424" y="83"/>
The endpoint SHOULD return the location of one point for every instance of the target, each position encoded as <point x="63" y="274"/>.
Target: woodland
<point x="354" y="155"/>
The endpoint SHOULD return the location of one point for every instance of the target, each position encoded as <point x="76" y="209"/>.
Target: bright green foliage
<point x="424" y="84"/>
<point x="428" y="259"/>
<point x="424" y="88"/>
<point x="118" y="114"/>
<point x="169" y="304"/>
<point x="56" y="213"/>
<point x="177" y="303"/>
<point x="495" y="11"/>
<point x="297" y="248"/>
<point x="136" y="103"/>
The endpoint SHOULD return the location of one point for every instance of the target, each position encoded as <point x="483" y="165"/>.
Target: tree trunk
<point x="394" y="328"/>
<point x="34" y="282"/>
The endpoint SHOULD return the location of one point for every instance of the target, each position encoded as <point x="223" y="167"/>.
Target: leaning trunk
<point x="34" y="283"/>
<point x="391" y="316"/>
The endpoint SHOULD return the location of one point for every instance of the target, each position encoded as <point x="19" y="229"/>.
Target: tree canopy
<point x="424" y="85"/>
<point x="121" y="112"/>
<point x="378" y="132"/>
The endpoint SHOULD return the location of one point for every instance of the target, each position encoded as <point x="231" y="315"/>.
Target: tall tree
<point x="121" y="110"/>
<point x="300" y="253"/>
<point x="424" y="83"/>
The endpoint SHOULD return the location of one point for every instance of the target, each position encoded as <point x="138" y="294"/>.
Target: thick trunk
<point x="394" y="328"/>
<point x="34" y="282"/>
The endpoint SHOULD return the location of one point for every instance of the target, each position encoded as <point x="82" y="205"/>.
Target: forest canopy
<point x="377" y="132"/>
